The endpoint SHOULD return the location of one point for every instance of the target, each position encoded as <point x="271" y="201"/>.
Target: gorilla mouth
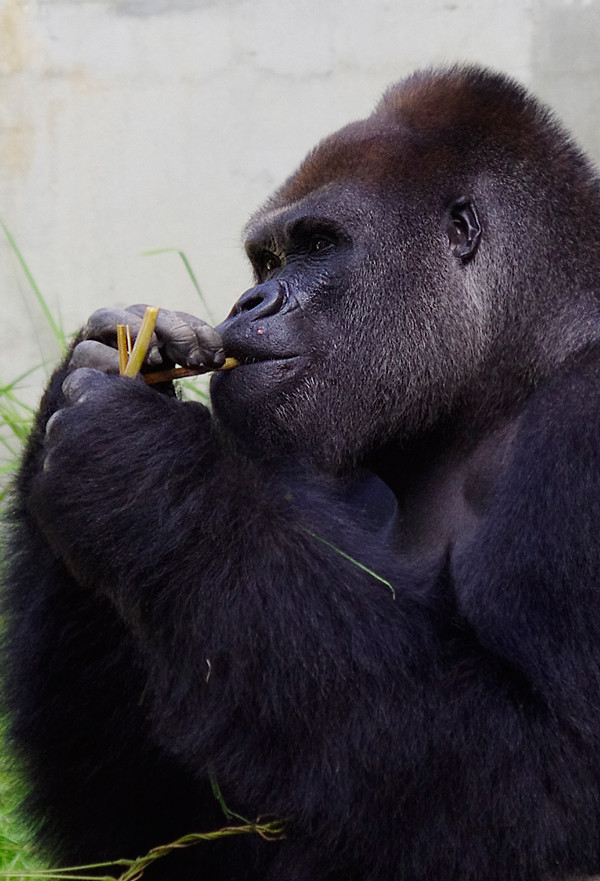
<point x="250" y="352"/>
<point x="265" y="369"/>
<point x="253" y="342"/>
<point x="248" y="360"/>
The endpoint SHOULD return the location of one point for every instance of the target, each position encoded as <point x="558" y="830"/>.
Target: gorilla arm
<point x="307" y="688"/>
<point x="237" y="606"/>
<point x="75" y="684"/>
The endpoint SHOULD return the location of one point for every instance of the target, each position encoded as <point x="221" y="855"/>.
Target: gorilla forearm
<point x="134" y="483"/>
<point x="74" y="682"/>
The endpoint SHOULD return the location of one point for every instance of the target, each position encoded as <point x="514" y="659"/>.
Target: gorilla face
<point x="369" y="318"/>
<point x="361" y="326"/>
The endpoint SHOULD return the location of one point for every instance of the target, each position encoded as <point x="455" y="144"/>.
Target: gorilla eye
<point x="320" y="243"/>
<point x="270" y="262"/>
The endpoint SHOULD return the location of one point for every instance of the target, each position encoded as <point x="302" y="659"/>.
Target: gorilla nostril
<point x="245" y="305"/>
<point x="263" y="300"/>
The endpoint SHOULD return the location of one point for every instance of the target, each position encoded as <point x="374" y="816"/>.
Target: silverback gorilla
<point x="363" y="594"/>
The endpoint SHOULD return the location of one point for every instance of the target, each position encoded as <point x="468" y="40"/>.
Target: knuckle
<point x="78" y="384"/>
<point x="100" y="320"/>
<point x="54" y="423"/>
<point x="94" y="354"/>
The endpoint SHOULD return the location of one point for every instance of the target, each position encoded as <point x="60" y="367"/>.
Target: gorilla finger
<point x="186" y="339"/>
<point x="57" y="428"/>
<point x="102" y="326"/>
<point x="181" y="341"/>
<point x="81" y="383"/>
<point x="55" y="425"/>
<point x="91" y="353"/>
<point x="137" y="309"/>
<point x="154" y="356"/>
<point x="209" y="341"/>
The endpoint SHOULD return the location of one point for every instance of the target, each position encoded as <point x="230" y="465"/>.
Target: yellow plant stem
<point x="122" y="346"/>
<point x="184" y="372"/>
<point x="140" y="347"/>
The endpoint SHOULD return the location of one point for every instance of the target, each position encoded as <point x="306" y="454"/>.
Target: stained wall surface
<point x="128" y="126"/>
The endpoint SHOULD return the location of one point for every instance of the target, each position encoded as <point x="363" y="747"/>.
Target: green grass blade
<point x="351" y="560"/>
<point x="54" y="327"/>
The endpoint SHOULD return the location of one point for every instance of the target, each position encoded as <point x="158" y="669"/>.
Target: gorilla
<point x="361" y="593"/>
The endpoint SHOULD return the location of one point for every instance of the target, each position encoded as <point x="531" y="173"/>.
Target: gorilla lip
<point x="251" y="360"/>
<point x="184" y="372"/>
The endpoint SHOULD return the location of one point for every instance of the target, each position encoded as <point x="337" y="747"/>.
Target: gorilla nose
<point x="263" y="300"/>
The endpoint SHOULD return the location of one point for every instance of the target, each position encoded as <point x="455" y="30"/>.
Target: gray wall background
<point x="132" y="125"/>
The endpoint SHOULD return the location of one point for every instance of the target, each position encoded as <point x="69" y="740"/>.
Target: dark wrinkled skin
<point x="361" y="595"/>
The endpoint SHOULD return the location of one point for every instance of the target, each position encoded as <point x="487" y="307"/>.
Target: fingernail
<point x="219" y="358"/>
<point x="194" y="358"/>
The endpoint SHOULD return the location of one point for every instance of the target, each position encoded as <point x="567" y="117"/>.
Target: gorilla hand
<point x="112" y="446"/>
<point x="78" y="387"/>
<point x="178" y="338"/>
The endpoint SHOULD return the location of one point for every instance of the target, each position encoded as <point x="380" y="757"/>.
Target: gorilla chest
<point x="444" y="497"/>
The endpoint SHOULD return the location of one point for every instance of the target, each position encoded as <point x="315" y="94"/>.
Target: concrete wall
<point x="132" y="125"/>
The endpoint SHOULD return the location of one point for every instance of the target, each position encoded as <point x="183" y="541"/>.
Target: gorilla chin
<point x="249" y="398"/>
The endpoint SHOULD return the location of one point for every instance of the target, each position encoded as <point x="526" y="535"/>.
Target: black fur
<point x="364" y="596"/>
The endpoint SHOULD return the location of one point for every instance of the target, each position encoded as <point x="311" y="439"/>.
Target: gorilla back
<point x="363" y="594"/>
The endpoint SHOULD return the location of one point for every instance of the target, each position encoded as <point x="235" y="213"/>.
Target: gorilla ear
<point x="464" y="229"/>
